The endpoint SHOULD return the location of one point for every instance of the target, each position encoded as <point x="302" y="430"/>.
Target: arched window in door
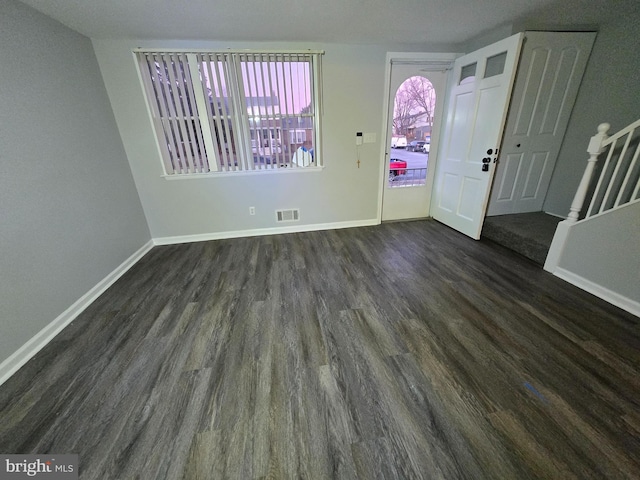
<point x="413" y="110"/>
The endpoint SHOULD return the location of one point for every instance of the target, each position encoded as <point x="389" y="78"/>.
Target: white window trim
<point x="241" y="120"/>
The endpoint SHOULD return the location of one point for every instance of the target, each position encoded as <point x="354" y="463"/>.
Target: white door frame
<point x="388" y="96"/>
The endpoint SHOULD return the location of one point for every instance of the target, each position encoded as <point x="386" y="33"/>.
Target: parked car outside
<point x="426" y="147"/>
<point x="415" y="146"/>
<point x="398" y="142"/>
<point x="397" y="167"/>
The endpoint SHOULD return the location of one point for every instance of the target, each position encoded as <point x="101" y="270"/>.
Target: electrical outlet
<point x="252" y="210"/>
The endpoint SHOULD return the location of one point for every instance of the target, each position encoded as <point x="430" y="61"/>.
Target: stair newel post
<point x="594" y="149"/>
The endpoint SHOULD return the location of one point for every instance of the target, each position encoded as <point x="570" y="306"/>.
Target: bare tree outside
<point x="414" y="102"/>
<point x="402" y="108"/>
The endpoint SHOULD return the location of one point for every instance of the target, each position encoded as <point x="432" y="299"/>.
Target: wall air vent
<point x="292" y="215"/>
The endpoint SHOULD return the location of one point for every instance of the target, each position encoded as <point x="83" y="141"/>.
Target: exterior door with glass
<point x="477" y="104"/>
<point x="408" y="177"/>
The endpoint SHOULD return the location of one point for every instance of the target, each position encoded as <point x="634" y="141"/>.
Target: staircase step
<point x="529" y="234"/>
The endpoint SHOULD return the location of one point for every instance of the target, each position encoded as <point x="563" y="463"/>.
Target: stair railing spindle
<point x="594" y="149"/>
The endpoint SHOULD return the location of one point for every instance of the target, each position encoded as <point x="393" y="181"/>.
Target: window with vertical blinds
<point x="234" y="111"/>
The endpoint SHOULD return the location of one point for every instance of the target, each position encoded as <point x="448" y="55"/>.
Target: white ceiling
<point x="380" y="22"/>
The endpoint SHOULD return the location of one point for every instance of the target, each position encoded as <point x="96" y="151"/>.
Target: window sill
<point x="236" y="173"/>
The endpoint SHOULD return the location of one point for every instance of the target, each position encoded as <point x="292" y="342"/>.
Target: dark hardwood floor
<point x="399" y="351"/>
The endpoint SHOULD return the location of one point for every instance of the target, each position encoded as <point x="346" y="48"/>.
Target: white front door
<point x="406" y="193"/>
<point x="551" y="69"/>
<point x="479" y="95"/>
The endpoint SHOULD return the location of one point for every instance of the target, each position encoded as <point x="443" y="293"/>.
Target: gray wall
<point x="609" y="93"/>
<point x="341" y="193"/>
<point x="610" y="261"/>
<point x="69" y="210"/>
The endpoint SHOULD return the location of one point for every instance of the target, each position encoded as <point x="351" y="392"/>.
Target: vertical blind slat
<point x="282" y="161"/>
<point x="267" y="78"/>
<point x="200" y="151"/>
<point x="176" y="114"/>
<point x="265" y="132"/>
<point x="151" y="84"/>
<point x="274" y="123"/>
<point x="168" y="114"/>
<point x="233" y="111"/>
<point x="224" y="135"/>
<point x="282" y="87"/>
<point x="239" y="106"/>
<point x="189" y="107"/>
<point x="290" y="92"/>
<point x="213" y="153"/>
<point x="255" y="118"/>
<point x="182" y="109"/>
<point x="276" y="119"/>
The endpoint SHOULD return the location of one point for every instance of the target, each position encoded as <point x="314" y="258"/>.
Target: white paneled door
<point x="476" y="111"/>
<point x="551" y="69"/>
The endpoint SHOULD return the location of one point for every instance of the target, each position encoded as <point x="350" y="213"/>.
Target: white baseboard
<point x="203" y="237"/>
<point x="44" y="336"/>
<point x="599" y="291"/>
